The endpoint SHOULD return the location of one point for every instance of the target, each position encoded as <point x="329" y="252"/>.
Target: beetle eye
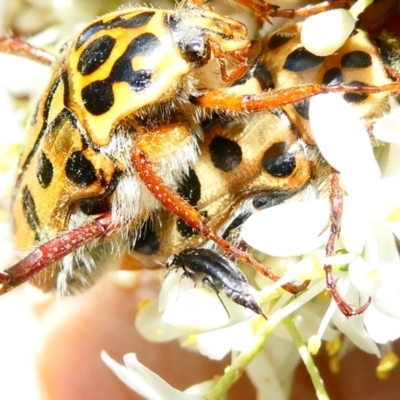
<point x="196" y="51"/>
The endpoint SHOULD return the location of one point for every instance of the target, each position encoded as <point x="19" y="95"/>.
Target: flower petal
<point x="381" y="327"/>
<point x="150" y="325"/>
<point x="354" y="327"/>
<point x="288" y="229"/>
<point x="195" y="310"/>
<point x="387" y="129"/>
<point x="322" y="34"/>
<point x="217" y="344"/>
<point x="355" y="225"/>
<point x="340" y="134"/>
<point x="144" y="381"/>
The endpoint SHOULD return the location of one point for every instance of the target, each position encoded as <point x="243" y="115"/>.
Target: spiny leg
<point x="310" y="9"/>
<point x="178" y="206"/>
<point x="221" y="99"/>
<point x="262" y="9"/>
<point x="19" y="48"/>
<point x="53" y="251"/>
<point x="336" y="210"/>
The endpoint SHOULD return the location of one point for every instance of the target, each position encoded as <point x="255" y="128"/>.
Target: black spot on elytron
<point x="42" y="132"/>
<point x="184" y="229"/>
<point x="44" y="170"/>
<point x="259" y="72"/>
<point x="143" y="45"/>
<point x="356" y="97"/>
<point x="147" y="242"/>
<point x="386" y="51"/>
<point x="95" y="206"/>
<point x="190" y="188"/>
<point x="66" y="82"/>
<point x="333" y="76"/>
<point x="301" y="60"/>
<point x="226" y="154"/>
<point x="98" y="96"/>
<point x="278" y="160"/>
<point x="278" y="40"/>
<point x="29" y="210"/>
<point x="80" y="170"/>
<point x="269" y="199"/>
<point x="356" y="59"/>
<point x="303" y="108"/>
<point x="264" y="77"/>
<point x="95" y="54"/>
<point x="118" y="22"/>
<point x="236" y="223"/>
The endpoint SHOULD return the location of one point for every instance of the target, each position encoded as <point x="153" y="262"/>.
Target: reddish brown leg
<point x="18" y="48"/>
<point x="262" y="9"/>
<point x="238" y="72"/>
<point x="222" y="100"/>
<point x="53" y="251"/>
<point x="336" y="210"/>
<point x="259" y="8"/>
<point x="177" y="205"/>
<point x="311" y="9"/>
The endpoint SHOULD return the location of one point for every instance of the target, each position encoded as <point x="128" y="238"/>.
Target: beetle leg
<point x="54" y="250"/>
<point x="221" y="99"/>
<point x="238" y="72"/>
<point x="18" y="48"/>
<point x="336" y="210"/>
<point x="264" y="10"/>
<point x="207" y="282"/>
<point x="310" y="9"/>
<point x="171" y="200"/>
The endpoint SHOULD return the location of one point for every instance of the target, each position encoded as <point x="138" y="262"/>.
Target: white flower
<point x="333" y="27"/>
<point x="183" y="310"/>
<point x="366" y="232"/>
<point x="145" y="382"/>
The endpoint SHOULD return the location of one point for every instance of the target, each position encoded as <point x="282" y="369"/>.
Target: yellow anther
<point x="386" y="365"/>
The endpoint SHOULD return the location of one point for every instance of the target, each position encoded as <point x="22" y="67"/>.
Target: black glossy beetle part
<point x="213" y="270"/>
<point x="196" y="51"/>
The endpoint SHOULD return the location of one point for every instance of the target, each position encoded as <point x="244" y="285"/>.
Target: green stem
<point x="234" y="371"/>
<point x="307" y="359"/>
